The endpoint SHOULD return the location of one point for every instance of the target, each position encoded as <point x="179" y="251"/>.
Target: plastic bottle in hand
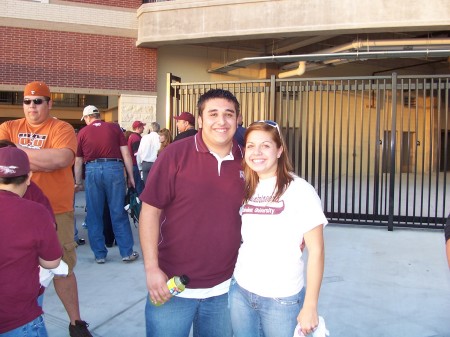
<point x="176" y="285"/>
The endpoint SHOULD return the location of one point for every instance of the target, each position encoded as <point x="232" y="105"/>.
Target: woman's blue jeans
<point x="257" y="316"/>
<point x="35" y="328"/>
<point x="210" y="317"/>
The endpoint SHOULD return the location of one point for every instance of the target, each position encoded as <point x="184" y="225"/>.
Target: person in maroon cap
<point x="28" y="239"/>
<point x="133" y="145"/>
<point x="185" y="125"/>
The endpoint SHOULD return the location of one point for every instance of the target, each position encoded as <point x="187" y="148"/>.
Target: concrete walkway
<point x="376" y="284"/>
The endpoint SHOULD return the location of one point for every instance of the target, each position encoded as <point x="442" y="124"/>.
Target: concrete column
<point x="136" y="107"/>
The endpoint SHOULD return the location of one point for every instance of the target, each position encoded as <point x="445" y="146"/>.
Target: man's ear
<point x="30" y="174"/>
<point x="200" y="122"/>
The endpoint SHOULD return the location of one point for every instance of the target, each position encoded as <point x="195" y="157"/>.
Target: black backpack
<point x="133" y="205"/>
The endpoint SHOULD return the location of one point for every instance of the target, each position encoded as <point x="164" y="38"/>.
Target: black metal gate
<point x="377" y="149"/>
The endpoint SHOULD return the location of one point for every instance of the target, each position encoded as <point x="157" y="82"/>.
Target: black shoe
<point x="80" y="329"/>
<point x="81" y="242"/>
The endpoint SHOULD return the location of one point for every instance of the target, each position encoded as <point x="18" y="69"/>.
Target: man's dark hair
<point x="217" y="93"/>
<point x="13" y="180"/>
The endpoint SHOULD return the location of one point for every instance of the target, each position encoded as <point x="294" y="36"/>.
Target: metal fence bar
<point x="375" y="148"/>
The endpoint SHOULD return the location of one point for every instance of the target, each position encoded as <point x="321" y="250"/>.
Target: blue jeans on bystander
<point x="138" y="182"/>
<point x="105" y="183"/>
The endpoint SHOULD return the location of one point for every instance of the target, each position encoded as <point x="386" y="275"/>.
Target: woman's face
<point x="262" y="153"/>
<point x="162" y="138"/>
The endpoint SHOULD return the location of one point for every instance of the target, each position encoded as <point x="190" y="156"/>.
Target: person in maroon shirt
<point x="28" y="239"/>
<point x="185" y="125"/>
<point x="103" y="149"/>
<point x="133" y="141"/>
<point x="190" y="223"/>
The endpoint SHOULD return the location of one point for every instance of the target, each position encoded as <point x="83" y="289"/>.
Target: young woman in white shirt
<point x="268" y="295"/>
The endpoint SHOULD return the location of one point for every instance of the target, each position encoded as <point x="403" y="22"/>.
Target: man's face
<point x="140" y="129"/>
<point x="36" y="114"/>
<point x="218" y="123"/>
<point x="182" y="125"/>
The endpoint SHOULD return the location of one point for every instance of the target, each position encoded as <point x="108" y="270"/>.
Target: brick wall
<point x="114" y="3"/>
<point x="77" y="60"/>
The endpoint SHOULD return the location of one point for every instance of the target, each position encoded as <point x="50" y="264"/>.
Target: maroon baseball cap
<point x="13" y="162"/>
<point x="137" y="124"/>
<point x="186" y="116"/>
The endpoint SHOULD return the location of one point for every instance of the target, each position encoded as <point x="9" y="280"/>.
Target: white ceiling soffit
<point x="411" y="48"/>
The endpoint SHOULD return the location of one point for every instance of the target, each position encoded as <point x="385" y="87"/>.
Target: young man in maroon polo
<point x="190" y="223"/>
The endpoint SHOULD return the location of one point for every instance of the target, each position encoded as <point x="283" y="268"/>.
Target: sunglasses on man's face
<point x="37" y="101"/>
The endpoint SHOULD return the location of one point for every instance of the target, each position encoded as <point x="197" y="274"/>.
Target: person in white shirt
<point x="267" y="294"/>
<point x="148" y="150"/>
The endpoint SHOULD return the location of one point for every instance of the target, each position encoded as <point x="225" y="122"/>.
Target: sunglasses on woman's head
<point x="272" y="124"/>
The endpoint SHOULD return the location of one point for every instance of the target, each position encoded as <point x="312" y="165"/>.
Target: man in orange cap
<point x="51" y="145"/>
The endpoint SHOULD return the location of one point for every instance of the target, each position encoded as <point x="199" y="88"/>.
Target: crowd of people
<point x="220" y="204"/>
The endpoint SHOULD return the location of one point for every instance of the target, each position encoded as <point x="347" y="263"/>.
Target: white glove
<point x="321" y="330"/>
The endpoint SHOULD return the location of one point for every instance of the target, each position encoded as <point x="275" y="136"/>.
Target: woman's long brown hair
<point x="284" y="165"/>
<point x="168" y="136"/>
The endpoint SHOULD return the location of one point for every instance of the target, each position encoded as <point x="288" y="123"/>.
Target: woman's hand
<point x="308" y="319"/>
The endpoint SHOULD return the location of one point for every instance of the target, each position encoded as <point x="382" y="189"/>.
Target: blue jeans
<point x="257" y="316"/>
<point x="146" y="167"/>
<point x="40" y="300"/>
<point x="210" y="316"/>
<point x="105" y="183"/>
<point x="139" y="184"/>
<point x="35" y="328"/>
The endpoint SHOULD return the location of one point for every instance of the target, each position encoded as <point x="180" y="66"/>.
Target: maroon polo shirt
<point x="100" y="140"/>
<point x="27" y="233"/>
<point x="200" y="230"/>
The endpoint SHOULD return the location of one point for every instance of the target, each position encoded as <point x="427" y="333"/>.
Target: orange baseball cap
<point x="37" y="88"/>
